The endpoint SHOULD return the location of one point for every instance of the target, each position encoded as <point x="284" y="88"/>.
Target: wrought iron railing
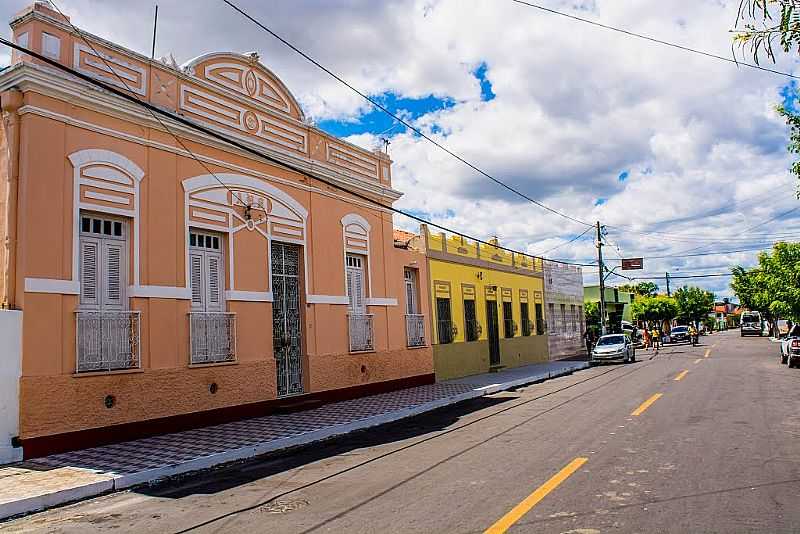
<point x="362" y="337"/>
<point x="107" y="340"/>
<point x="212" y="337"/>
<point x="415" y="330"/>
<point x="472" y="330"/>
<point x="447" y="330"/>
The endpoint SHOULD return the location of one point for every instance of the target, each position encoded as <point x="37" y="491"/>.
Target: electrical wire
<point x="655" y="40"/>
<point x="568" y="242"/>
<point x="399" y="119"/>
<point x="241" y="146"/>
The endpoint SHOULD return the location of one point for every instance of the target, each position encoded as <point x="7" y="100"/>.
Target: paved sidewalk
<point x="60" y="478"/>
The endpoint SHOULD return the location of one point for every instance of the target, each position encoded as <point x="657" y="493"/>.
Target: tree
<point x="643" y="289"/>
<point x="693" y="303"/>
<point x="760" y="23"/>
<point x="592" y="312"/>
<point x="659" y="308"/>
<point x="772" y="288"/>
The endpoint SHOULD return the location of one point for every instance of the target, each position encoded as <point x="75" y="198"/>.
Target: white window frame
<point x="102" y="241"/>
<point x="206" y="255"/>
<point x="51" y="45"/>
<point x="410" y="277"/>
<point x="354" y="264"/>
<point x="355" y="226"/>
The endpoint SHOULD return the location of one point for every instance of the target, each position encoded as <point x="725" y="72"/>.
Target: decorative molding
<point x="327" y="299"/>
<point x="160" y="292"/>
<point x="248" y="296"/>
<point x="98" y="69"/>
<point x="52" y="285"/>
<point x="377" y="301"/>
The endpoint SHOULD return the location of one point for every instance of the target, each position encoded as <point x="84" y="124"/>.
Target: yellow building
<point x="487" y="303"/>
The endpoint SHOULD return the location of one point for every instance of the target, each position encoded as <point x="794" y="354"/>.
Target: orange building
<point x="167" y="283"/>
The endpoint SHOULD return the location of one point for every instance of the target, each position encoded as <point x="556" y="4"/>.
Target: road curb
<point x="119" y="482"/>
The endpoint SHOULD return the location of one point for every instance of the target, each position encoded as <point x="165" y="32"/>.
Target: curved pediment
<point x="245" y="75"/>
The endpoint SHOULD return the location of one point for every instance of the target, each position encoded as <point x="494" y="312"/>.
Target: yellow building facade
<point x="487" y="305"/>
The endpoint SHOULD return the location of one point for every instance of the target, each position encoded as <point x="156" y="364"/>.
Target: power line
<point x="241" y="146"/>
<point x="568" y="242"/>
<point x="654" y="40"/>
<point x="402" y="121"/>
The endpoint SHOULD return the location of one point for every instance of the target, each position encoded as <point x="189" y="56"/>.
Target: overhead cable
<point x="655" y="40"/>
<point x="399" y="119"/>
<point x="241" y="146"/>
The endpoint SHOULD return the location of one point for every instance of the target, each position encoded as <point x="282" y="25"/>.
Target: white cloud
<point x="575" y="105"/>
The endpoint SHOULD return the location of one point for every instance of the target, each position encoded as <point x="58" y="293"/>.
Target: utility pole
<point x="600" y="269"/>
<point x="666" y="275"/>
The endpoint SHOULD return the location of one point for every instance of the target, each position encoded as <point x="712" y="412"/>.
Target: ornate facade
<point x="168" y="278"/>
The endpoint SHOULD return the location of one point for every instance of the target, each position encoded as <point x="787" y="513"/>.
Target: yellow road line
<point x="516" y="513"/>
<point x="707" y="354"/>
<point x="681" y="375"/>
<point x="698" y="360"/>
<point x="646" y="404"/>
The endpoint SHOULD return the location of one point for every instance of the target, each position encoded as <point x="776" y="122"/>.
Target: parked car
<point x="679" y="334"/>
<point x="790" y="347"/>
<point x="751" y="324"/>
<point x="613" y="347"/>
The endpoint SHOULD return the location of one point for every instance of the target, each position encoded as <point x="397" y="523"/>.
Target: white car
<point x="613" y="347"/>
<point x="790" y="347"/>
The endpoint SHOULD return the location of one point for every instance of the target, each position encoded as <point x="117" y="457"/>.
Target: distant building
<point x="618" y="304"/>
<point x="487" y="305"/>
<point x="563" y="296"/>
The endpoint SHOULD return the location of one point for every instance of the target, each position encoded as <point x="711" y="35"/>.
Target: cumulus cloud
<point x="574" y="107"/>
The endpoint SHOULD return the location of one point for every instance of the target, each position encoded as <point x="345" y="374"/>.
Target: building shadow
<point x="234" y="474"/>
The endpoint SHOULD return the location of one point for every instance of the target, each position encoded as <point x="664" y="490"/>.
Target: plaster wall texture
<point x="59" y="127"/>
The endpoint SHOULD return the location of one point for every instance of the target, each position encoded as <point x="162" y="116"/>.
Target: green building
<point x="618" y="304"/>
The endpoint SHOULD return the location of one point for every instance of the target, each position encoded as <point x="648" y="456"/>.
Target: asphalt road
<point x="718" y="451"/>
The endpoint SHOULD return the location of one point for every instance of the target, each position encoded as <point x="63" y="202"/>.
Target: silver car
<point x="613" y="347"/>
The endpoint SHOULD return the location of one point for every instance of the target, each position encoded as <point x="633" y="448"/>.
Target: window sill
<point x="370" y="351"/>
<point x="418" y="347"/>
<point x="211" y="364"/>
<point x="106" y="373"/>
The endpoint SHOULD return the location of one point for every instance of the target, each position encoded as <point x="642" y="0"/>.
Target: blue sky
<point x="377" y="122"/>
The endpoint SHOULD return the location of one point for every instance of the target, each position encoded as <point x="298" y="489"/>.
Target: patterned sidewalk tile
<point x="181" y="447"/>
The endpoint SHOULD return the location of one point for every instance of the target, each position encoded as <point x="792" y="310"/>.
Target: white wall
<point x="10" y="371"/>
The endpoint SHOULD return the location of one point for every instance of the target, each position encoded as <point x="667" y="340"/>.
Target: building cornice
<point x="189" y="78"/>
<point x="33" y="110"/>
<point x="49" y="82"/>
<point x="483" y="264"/>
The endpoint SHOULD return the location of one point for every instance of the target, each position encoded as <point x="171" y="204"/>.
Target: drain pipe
<point x="10" y="102"/>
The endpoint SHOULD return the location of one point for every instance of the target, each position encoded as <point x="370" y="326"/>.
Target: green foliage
<point x="644" y="289"/>
<point x="657" y="308"/>
<point x="793" y="146"/>
<point x="592" y="313"/>
<point x="772" y="288"/>
<point x="693" y="303"/>
<point x="710" y="322"/>
<point x="760" y="23"/>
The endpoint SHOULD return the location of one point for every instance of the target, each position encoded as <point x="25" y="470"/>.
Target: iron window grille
<point x="415" y="330"/>
<point x="212" y="337"/>
<point x="107" y="340"/>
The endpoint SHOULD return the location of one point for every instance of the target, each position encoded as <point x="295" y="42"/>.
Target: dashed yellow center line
<point x="646" y="404"/>
<point x="698" y="360"/>
<point x="707" y="354"/>
<point x="516" y="513"/>
<point x="681" y="375"/>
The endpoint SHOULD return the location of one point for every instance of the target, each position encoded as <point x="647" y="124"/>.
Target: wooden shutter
<point x="355" y="289"/>
<point x="89" y="265"/>
<point x="214" y="282"/>
<point x="198" y="284"/>
<point x="113" y="275"/>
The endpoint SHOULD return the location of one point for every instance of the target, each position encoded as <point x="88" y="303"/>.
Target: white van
<point x="751" y="323"/>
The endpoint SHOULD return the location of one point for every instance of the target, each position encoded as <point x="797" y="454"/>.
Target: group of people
<point x="652" y="337"/>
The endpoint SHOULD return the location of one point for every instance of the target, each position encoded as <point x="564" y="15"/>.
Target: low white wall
<point x="10" y="371"/>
